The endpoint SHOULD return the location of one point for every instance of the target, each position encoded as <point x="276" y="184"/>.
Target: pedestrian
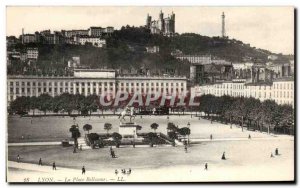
<point x="276" y="151"/>
<point x="272" y="155"/>
<point x="80" y="147"/>
<point x="116" y="172"/>
<point x="185" y="148"/>
<point x="133" y="144"/>
<point x="110" y="148"/>
<point x="113" y="154"/>
<point x="129" y="171"/>
<point x="83" y="170"/>
<point x="205" y="166"/>
<point x="53" y="166"/>
<point x="40" y="162"/>
<point x="18" y="158"/>
<point x="223" y="156"/>
<point x="211" y="137"/>
<point x="249" y="137"/>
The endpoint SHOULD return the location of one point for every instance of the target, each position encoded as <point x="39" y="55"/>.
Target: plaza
<point x="245" y="157"/>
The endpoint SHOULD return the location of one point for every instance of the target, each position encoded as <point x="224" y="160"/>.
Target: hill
<point x="126" y="51"/>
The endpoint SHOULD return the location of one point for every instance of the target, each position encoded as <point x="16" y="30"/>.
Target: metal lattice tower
<point x="223" y="25"/>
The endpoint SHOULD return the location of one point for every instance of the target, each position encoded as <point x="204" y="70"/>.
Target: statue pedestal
<point x="128" y="129"/>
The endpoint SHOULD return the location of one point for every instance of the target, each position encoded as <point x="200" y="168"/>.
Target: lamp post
<point x="188" y="125"/>
<point x="134" y="138"/>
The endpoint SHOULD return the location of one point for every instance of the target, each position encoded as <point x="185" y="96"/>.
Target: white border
<point x="5" y="3"/>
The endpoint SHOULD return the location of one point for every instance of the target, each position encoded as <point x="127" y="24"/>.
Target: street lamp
<point x="188" y="125"/>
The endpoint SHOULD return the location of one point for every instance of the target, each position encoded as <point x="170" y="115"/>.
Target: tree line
<point x="249" y="112"/>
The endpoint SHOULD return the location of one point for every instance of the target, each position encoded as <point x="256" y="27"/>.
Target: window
<point x="11" y="83"/>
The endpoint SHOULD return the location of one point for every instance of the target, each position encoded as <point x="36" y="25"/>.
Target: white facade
<point x="281" y="91"/>
<point x="32" y="53"/>
<point x="94" y="73"/>
<point x="90" y="82"/>
<point x="145" y="84"/>
<point x="95" y="41"/>
<point x="152" y="49"/>
<point x="99" y="31"/>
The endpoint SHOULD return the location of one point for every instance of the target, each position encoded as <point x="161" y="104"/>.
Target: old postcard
<point x="150" y="94"/>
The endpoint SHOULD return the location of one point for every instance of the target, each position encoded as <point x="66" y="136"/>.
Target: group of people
<point x="40" y="163"/>
<point x="53" y="164"/>
<point x="123" y="171"/>
<point x="276" y="153"/>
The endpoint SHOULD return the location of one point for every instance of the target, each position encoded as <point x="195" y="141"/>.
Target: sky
<point x="270" y="28"/>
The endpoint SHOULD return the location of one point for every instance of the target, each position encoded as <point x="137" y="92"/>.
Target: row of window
<point x="60" y="83"/>
<point x="284" y="85"/>
<point x="152" y="84"/>
<point x="89" y="84"/>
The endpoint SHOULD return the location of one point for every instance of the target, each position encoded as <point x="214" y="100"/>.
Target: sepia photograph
<point x="150" y="94"/>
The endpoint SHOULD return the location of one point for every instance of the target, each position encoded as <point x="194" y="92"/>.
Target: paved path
<point x="241" y="139"/>
<point x="271" y="137"/>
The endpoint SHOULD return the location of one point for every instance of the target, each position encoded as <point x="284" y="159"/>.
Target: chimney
<point x="22" y="35"/>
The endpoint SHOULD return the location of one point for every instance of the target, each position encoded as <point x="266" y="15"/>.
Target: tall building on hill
<point x="223" y="25"/>
<point x="164" y="26"/>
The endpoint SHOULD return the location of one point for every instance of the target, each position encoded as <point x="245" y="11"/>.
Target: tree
<point x="117" y="138"/>
<point x="184" y="131"/>
<point x="107" y="127"/>
<point x="45" y="102"/>
<point x="152" y="138"/>
<point x="171" y="127"/>
<point x="269" y="109"/>
<point x="75" y="134"/>
<point x="154" y="126"/>
<point x="87" y="127"/>
<point x="33" y="103"/>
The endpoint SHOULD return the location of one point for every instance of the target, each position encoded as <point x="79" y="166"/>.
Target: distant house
<point x="95" y="41"/>
<point x="32" y="53"/>
<point x="74" y="62"/>
<point x="152" y="49"/>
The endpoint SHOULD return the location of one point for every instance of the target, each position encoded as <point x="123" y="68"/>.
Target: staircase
<point x="81" y="141"/>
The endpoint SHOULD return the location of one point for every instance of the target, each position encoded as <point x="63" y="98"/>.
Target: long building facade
<point x="280" y="90"/>
<point x="88" y="82"/>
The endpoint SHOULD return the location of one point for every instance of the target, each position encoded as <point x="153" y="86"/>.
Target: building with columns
<point x="87" y="82"/>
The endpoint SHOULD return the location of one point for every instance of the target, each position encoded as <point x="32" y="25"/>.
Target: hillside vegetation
<point x="125" y="51"/>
